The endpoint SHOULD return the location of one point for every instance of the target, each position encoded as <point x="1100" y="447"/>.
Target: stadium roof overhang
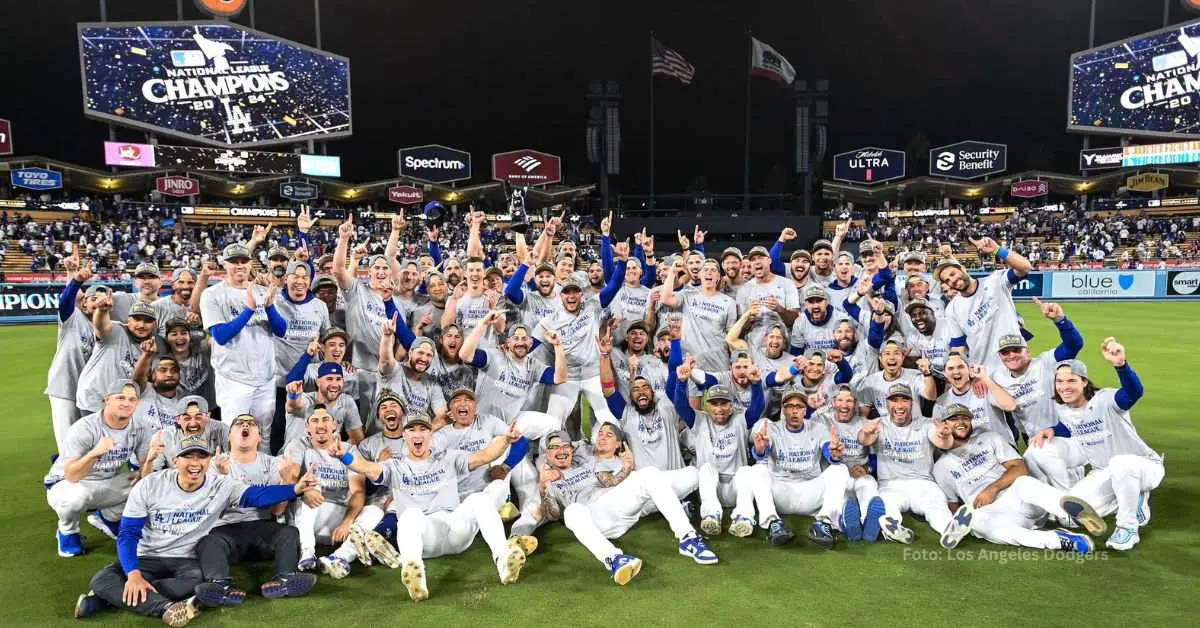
<point x="238" y="188"/>
<point x="1062" y="184"/>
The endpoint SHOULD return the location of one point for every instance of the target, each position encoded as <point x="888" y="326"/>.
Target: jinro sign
<point x="175" y="185"/>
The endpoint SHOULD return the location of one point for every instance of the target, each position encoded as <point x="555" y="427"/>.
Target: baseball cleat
<point x="89" y="604"/>
<point x="181" y="613"/>
<point x="109" y="528"/>
<point x="509" y="512"/>
<point x="1083" y="512"/>
<point x="893" y="530"/>
<point x="851" y="520"/>
<point x="959" y="526"/>
<point x="528" y="544"/>
<point x="217" y="593"/>
<point x="70" y="545"/>
<point x="412" y="574"/>
<point x="821" y="533"/>
<point x="875" y="512"/>
<point x="778" y="533"/>
<point x="695" y="546"/>
<point x="741" y="527"/>
<point x="1123" y="539"/>
<point x="711" y="525"/>
<point x="510" y="564"/>
<point x="288" y="585"/>
<point x="624" y="567"/>
<point x="308" y="563"/>
<point x="359" y="541"/>
<point x="334" y="567"/>
<point x="1143" y="509"/>
<point x="379" y="547"/>
<point x="1069" y="541"/>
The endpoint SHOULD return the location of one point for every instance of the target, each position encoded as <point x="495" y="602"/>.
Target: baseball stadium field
<point x="885" y="584"/>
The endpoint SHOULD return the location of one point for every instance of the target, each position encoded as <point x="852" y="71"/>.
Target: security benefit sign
<point x="1145" y="85"/>
<point x="968" y="160"/>
<point x="299" y="190"/>
<point x="869" y="165"/>
<point x="212" y="82"/>
<point x="1148" y="182"/>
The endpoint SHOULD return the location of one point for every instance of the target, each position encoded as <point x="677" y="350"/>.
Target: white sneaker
<point x="1123" y="539"/>
<point x="412" y="574"/>
<point x="894" y="530"/>
<point x="509" y="566"/>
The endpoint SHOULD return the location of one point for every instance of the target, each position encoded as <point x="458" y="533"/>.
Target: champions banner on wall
<point x="1145" y="85"/>
<point x="216" y="83"/>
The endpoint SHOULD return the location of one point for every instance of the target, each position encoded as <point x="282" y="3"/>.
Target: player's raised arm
<point x="1131" y="385"/>
<point x="358" y="464"/>
<point x="494" y="449"/>
<point x="343" y="275"/>
<point x="102" y="316"/>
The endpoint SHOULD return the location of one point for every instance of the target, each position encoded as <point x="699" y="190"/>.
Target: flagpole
<point x="651" y="119"/>
<point x="746" y="162"/>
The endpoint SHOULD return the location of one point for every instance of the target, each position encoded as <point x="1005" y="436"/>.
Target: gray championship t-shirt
<point x="429" y="485"/>
<point x="113" y="358"/>
<point x="470" y="439"/>
<point x="706" y="320"/>
<point x="76" y="339"/>
<point x="132" y="445"/>
<point x="177" y="519"/>
<point x="905" y="453"/>
<point x="579" y="332"/>
<point x="305" y="321"/>
<point x="332" y="476"/>
<point x="963" y="472"/>
<point x="503" y="386"/>
<point x="248" y="357"/>
<point x="654" y="436"/>
<point x="343" y="409"/>
<point x="795" y="456"/>
<point x="423" y="394"/>
<point x="261" y="471"/>
<point x="365" y="316"/>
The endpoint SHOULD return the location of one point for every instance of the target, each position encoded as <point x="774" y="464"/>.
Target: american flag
<point x="671" y="63"/>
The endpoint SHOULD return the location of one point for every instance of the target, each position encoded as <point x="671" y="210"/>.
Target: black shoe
<point x="821" y="533"/>
<point x="219" y="593"/>
<point x="289" y="585"/>
<point x="778" y="533"/>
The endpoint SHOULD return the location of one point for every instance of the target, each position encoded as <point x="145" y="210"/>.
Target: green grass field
<point x="856" y="584"/>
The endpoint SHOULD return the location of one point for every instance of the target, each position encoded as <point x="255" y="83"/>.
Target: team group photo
<point x="924" y="384"/>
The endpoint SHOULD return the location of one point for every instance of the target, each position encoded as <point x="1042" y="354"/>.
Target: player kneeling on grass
<point x="1100" y="432"/>
<point x="903" y="444"/>
<point x="983" y="469"/>
<point x="432" y="520"/>
<point x="97" y="471"/>
<point x="601" y="498"/>
<point x="245" y="533"/>
<point x="788" y="478"/>
<point x="862" y="491"/>
<point x="336" y="511"/>
<point x="166" y="516"/>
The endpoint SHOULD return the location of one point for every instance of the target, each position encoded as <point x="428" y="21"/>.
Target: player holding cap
<point x="903" y="443"/>
<point x="602" y="500"/>
<point x="789" y="478"/>
<point x="432" y="520"/>
<point x="984" y="470"/>
<point x="984" y="310"/>
<point x="166" y="516"/>
<point x="97" y="471"/>
<point x="115" y="352"/>
<point x="192" y="422"/>
<point x="241" y="318"/>
<point x="1100" y="431"/>
<point x="76" y="339"/>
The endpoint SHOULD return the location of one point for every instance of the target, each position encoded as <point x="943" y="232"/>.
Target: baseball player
<point x="147" y="281"/>
<point x="469" y="305"/>
<point x="508" y="375"/>
<point x="984" y="310"/>
<point x="873" y="390"/>
<point x="193" y="355"/>
<point x="1100" y="431"/>
<point x="538" y="298"/>
<point x="449" y="370"/>
<point x="427" y="318"/>
<point x="115" y="351"/>
<point x="329" y="395"/>
<point x="307" y="319"/>
<point x="634" y="356"/>
<point x="178" y="304"/>
<point x="432" y="520"/>
<point x="815" y="329"/>
<point x="247" y="532"/>
<point x="778" y="296"/>
<point x="192" y="422"/>
<point x="707" y="315"/>
<point x="788" y="477"/>
<point x="390" y="410"/>
<point x="336" y="512"/>
<point x="720" y="433"/>
<point x="928" y="338"/>
<point x="860" y="515"/>
<point x="99" y="455"/>
<point x="331" y="348"/>
<point x="602" y="500"/>
<point x="903" y="443"/>
<point x="984" y="470"/>
<point x="962" y="383"/>
<point x="411" y="378"/>
<point x="740" y="379"/>
<point x="166" y="516"/>
<point x="466" y="430"/>
<point x="369" y="306"/>
<point x="157" y="376"/>
<point x="242" y="319"/>
<point x="76" y="340"/>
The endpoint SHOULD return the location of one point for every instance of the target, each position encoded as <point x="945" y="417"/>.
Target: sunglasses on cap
<point x="247" y="419"/>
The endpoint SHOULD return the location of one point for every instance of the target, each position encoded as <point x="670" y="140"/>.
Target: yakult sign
<point x="869" y="165"/>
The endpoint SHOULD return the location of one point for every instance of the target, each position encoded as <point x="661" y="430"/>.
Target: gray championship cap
<point x="235" y="251"/>
<point x="190" y="401"/>
<point x="277" y="252"/>
<point x="120" y="385"/>
<point x="146" y="268"/>
<point x="718" y="392"/>
<point x="816" y="292"/>
<point x="958" y="409"/>
<point x="194" y="445"/>
<point x="899" y="390"/>
<point x="1013" y="341"/>
<point x="143" y="310"/>
<point x="1077" y="367"/>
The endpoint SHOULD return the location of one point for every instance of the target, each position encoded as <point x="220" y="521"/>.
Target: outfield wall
<point x="38" y="302"/>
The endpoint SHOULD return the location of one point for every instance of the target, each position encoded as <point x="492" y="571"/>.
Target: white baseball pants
<point x="920" y="497"/>
<point x="1058" y="463"/>
<point x="1116" y="488"/>
<point x="420" y="535"/>
<point x="317" y="525"/>
<point x="63" y="414"/>
<point x="70" y="500"/>
<point x="863" y="489"/>
<point x="236" y="398"/>
<point x="822" y="496"/>
<point x="683" y="483"/>
<point x="717" y="493"/>
<point x="616" y="510"/>
<point x="564" y="396"/>
<point x="1014" y="517"/>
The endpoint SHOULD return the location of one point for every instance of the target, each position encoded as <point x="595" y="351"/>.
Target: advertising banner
<point x="1148" y="182"/>
<point x="129" y="154"/>
<point x="968" y="160"/>
<point x="1101" y="158"/>
<point x="869" y="165"/>
<point x="1183" y="283"/>
<point x="6" y="140"/>
<point x="299" y="190"/>
<point x="406" y="194"/>
<point x="175" y="185"/>
<point x="434" y="163"/>
<point x="1029" y="188"/>
<point x="36" y="179"/>
<point x="1103" y="284"/>
<point x="1145" y="85"/>
<point x="216" y="83"/>
<point x="28" y="301"/>
<point x="1032" y="285"/>
<point x="526" y="167"/>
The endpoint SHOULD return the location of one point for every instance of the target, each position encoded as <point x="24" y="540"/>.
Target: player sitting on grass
<point x="862" y="489"/>
<point x="432" y="521"/>
<point x="601" y="498"/>
<point x="1101" y="433"/>
<point x="983" y="469"/>
<point x="166" y="516"/>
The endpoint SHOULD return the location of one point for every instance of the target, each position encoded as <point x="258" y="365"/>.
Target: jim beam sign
<point x="1148" y="182"/>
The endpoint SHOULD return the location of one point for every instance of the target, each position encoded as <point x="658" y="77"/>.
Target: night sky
<point x="489" y="76"/>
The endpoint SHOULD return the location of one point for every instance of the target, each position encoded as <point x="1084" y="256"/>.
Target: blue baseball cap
<point x="329" y="368"/>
